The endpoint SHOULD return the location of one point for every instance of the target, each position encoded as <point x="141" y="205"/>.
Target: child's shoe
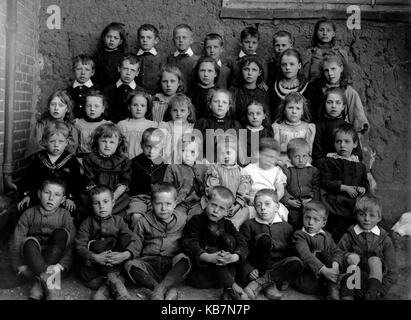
<point x="272" y="293"/>
<point x="237" y="293"/>
<point x="102" y="293"/>
<point x="373" y="289"/>
<point x="171" y="294"/>
<point x="255" y="286"/>
<point x="117" y="287"/>
<point x="36" y="291"/>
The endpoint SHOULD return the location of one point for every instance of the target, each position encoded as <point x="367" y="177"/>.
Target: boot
<point x="36" y="291"/>
<point x="171" y="294"/>
<point x="373" y="289"/>
<point x="117" y="287"/>
<point x="159" y="292"/>
<point x="102" y="293"/>
<point x="333" y="292"/>
<point x="43" y="281"/>
<point x="237" y="293"/>
<point x="255" y="286"/>
<point x="272" y="293"/>
<point x="143" y="293"/>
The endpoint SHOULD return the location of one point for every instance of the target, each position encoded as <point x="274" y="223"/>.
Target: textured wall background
<point x="380" y="53"/>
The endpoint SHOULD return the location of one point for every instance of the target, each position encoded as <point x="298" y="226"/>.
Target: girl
<point x="171" y="82"/>
<point x="60" y="107"/>
<point x="108" y="165"/>
<point x="112" y="46"/>
<point x="140" y="106"/>
<point x="290" y="80"/>
<point x="293" y="122"/>
<point x="252" y="75"/>
<point x="96" y="104"/>
<point x="323" y="44"/>
<point x="181" y="116"/>
<point x="206" y="76"/>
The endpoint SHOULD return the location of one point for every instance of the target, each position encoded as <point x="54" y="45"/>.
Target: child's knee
<point x="60" y="236"/>
<point x="263" y="241"/>
<point x="353" y="259"/>
<point x="374" y="262"/>
<point x="227" y="242"/>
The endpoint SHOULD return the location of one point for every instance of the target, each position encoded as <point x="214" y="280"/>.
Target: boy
<point x="118" y="92"/>
<point x="159" y="265"/>
<point x="343" y="179"/>
<point x="147" y="169"/>
<point x="43" y="239"/>
<point x="184" y="57"/>
<point x="319" y="253"/>
<point x="104" y="242"/>
<point x="303" y="181"/>
<point x="370" y="248"/>
<point x="282" y="40"/>
<point x="215" y="246"/>
<point x="214" y="47"/>
<point x="269" y="263"/>
<point x="83" y="68"/>
<point x="151" y="60"/>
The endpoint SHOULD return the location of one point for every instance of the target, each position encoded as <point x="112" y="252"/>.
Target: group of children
<point x="157" y="170"/>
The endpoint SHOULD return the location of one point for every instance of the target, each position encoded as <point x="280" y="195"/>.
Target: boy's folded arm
<point x="302" y="248"/>
<point x="391" y="276"/>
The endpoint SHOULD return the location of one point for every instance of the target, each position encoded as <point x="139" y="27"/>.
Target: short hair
<point x="65" y="97"/>
<point x="179" y="100"/>
<point x="98" y="94"/>
<point x="55" y="181"/>
<point x="213" y="36"/>
<point x="145" y="95"/>
<point x="83" y="59"/>
<point x="315" y="41"/>
<point x="368" y="201"/>
<point x="296" y="97"/>
<point x="148" y="134"/>
<point x="297" y="144"/>
<point x="282" y="34"/>
<point x="348" y="129"/>
<point x="202" y="60"/>
<point x="182" y="26"/>
<point x="249" y="31"/>
<point x="222" y="192"/>
<point x="52" y="128"/>
<point x="131" y="58"/>
<point x="333" y="90"/>
<point x="101" y="189"/>
<point x="267" y="192"/>
<point x="107" y="130"/>
<point x="247" y="60"/>
<point x="148" y="27"/>
<point x="161" y="187"/>
<point x="269" y="144"/>
<point x="315" y="205"/>
<point x="116" y="26"/>
<point x="292" y="52"/>
<point x="173" y="69"/>
<point x="214" y="91"/>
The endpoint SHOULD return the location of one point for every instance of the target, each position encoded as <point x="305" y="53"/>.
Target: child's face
<point x="300" y="157"/>
<point x="255" y="115"/>
<point x="368" y="218"/>
<point x="313" y="221"/>
<point x="51" y="196"/>
<point x="213" y="49"/>
<point x="227" y="156"/>
<point x="334" y="105"/>
<point x="281" y="44"/>
<point x="220" y="104"/>
<point x="332" y="72"/>
<point x="83" y="72"/>
<point x="138" y="107"/>
<point x="249" y="44"/>
<point x="103" y="204"/>
<point x="147" y="40"/>
<point x="183" y="39"/>
<point x="294" y="111"/>
<point x="57" y="108"/>
<point x="94" y="107"/>
<point x="56" y="144"/>
<point x="266" y="207"/>
<point x="190" y="153"/>
<point x="251" y="72"/>
<point x="325" y="33"/>
<point x="207" y="73"/>
<point x="344" y="144"/>
<point x="179" y="113"/>
<point x="290" y="67"/>
<point x="128" y="71"/>
<point x="163" y="205"/>
<point x="217" y="208"/>
<point x="108" y="145"/>
<point x="113" y="40"/>
<point x="151" y="149"/>
<point x="267" y="158"/>
<point x="169" y="83"/>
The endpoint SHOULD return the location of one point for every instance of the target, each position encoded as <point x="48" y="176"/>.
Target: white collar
<point x="276" y="219"/>
<point x="219" y="63"/>
<point x="88" y="84"/>
<point x="153" y="51"/>
<point x="352" y="158"/>
<point x="312" y="234"/>
<point x="290" y="165"/>
<point x="132" y="84"/>
<point x="252" y="129"/>
<point x="358" y="230"/>
<point x="243" y="54"/>
<point x="189" y="51"/>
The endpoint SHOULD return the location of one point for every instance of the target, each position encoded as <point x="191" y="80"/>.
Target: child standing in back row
<point x="214" y="47"/>
<point x="282" y="40"/>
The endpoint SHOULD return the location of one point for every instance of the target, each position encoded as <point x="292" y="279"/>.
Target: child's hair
<point x="101" y="189"/>
<point x="340" y="92"/>
<point x="115" y="26"/>
<point x="52" y="128"/>
<point x="182" y="26"/>
<point x="266" y="192"/>
<point x="247" y="60"/>
<point x="315" y="41"/>
<point x="249" y="31"/>
<point x="107" y="130"/>
<point x="173" y="69"/>
<point x="54" y="181"/>
<point x="197" y="68"/>
<point x="211" y="95"/>
<point x="297" y="144"/>
<point x="297" y="98"/>
<point x="222" y="192"/>
<point x="269" y="143"/>
<point x="368" y="201"/>
<point x="149" y="133"/>
<point x="131" y="58"/>
<point x="99" y="94"/>
<point x="315" y="205"/>
<point x="348" y="129"/>
<point x="65" y="97"/>
<point x="257" y="103"/>
<point x="146" y="96"/>
<point x="161" y="187"/>
<point x="213" y="36"/>
<point x="179" y="100"/>
<point x="345" y="74"/>
<point x="291" y="52"/>
<point x="83" y="59"/>
<point x="281" y="34"/>
<point x="148" y="27"/>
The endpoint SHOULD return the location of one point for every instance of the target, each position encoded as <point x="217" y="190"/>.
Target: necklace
<point x="290" y="84"/>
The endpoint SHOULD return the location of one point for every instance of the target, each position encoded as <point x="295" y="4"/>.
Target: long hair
<point x="114" y="26"/>
<point x="203" y="60"/>
<point x="145" y="95"/>
<point x="180" y="99"/>
<point x="315" y="41"/>
<point x="65" y="97"/>
<point x="107" y="130"/>
<point x="323" y="108"/>
<point x="246" y="61"/>
<point x="244" y="116"/>
<point x="293" y="97"/>
<point x="345" y="77"/>
<point x="173" y="69"/>
<point x="291" y="52"/>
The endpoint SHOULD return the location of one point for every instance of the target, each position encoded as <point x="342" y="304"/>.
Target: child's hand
<point x="102" y="258"/>
<point x="234" y="209"/>
<point x="209" y="257"/>
<point x="22" y="269"/>
<point x="330" y="273"/>
<point x="294" y="203"/>
<point x="305" y="201"/>
<point x="350" y="190"/>
<point x="118" y="257"/>
<point x="360" y="190"/>
<point x="254" y="275"/>
<point x="69" y="205"/>
<point x="353" y="259"/>
<point x="225" y="258"/>
<point x="23" y="203"/>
